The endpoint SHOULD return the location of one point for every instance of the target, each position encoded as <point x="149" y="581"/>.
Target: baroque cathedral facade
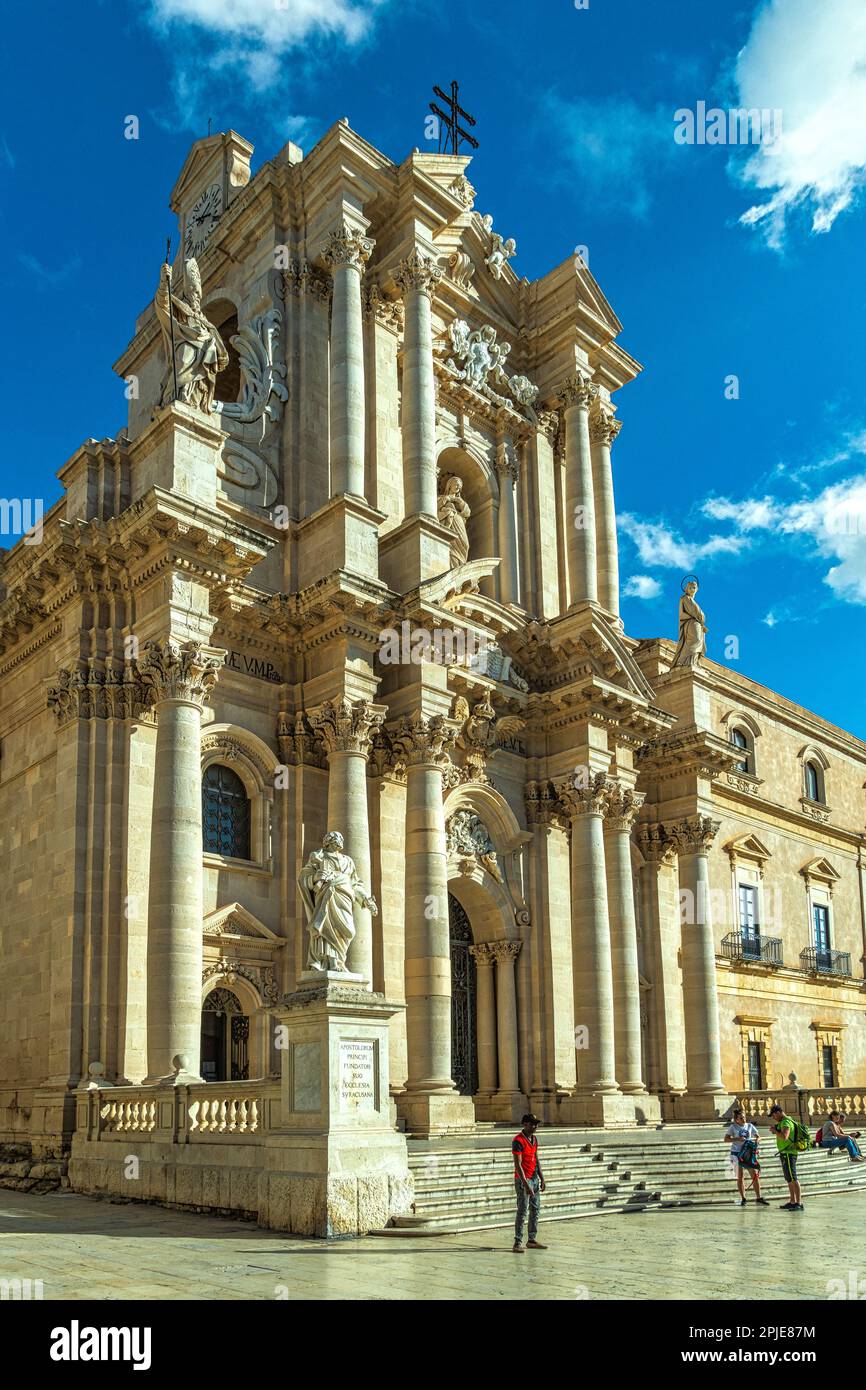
<point x="352" y="566"/>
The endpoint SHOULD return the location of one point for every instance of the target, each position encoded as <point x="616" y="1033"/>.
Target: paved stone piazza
<point x="340" y="814"/>
<point x="85" y="1248"/>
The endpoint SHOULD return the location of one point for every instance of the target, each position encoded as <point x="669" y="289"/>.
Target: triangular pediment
<point x="748" y="846"/>
<point x="236" y="920"/>
<point x="821" y="869"/>
<point x="207" y="157"/>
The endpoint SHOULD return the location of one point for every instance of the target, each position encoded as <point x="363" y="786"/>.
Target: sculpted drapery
<point x="330" y="887"/>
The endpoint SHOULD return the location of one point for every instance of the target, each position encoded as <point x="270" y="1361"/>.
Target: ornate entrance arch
<point x="225" y="1036"/>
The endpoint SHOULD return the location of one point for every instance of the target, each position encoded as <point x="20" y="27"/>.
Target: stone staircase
<point x="460" y="1188"/>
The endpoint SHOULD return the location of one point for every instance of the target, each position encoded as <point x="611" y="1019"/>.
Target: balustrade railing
<point x="208" y="1112"/>
<point x="809" y="1105"/>
<point x="766" y="950"/>
<point x="819" y="962"/>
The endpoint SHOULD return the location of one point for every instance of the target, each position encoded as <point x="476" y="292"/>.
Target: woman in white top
<point x="743" y="1139"/>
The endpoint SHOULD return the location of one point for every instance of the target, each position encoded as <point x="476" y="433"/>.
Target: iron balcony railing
<point x="765" y="949"/>
<point x="817" y="961"/>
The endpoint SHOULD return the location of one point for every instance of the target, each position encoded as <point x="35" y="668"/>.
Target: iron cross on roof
<point x="454" y="132"/>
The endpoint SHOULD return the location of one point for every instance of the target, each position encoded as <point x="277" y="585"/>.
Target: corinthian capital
<point x="695" y="835"/>
<point x="417" y="272"/>
<point x="655" y="845"/>
<point x="421" y="740"/>
<point x="482" y="953"/>
<point x="583" y="795"/>
<point x="345" y="727"/>
<point x="621" y="808"/>
<point x="346" y="247"/>
<point x="578" y="390"/>
<point x="180" y="672"/>
<point x="505" y="951"/>
<point x="603" y="428"/>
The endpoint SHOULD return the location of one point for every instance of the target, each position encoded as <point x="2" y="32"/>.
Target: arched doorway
<point x="464" y="1041"/>
<point x="225" y="1038"/>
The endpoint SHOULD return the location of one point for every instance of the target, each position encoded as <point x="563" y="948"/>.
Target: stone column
<point x="505" y="954"/>
<point x="603" y="431"/>
<point x="347" y="731"/>
<point x="345" y="252"/>
<point x="180" y="679"/>
<point x="693" y="838"/>
<point x="431" y="1100"/>
<point x="578" y="394"/>
<point x="507" y="469"/>
<point x="417" y="277"/>
<point x="590" y="933"/>
<point x="486" y="1040"/>
<point x="620" y="813"/>
<point x="659" y="894"/>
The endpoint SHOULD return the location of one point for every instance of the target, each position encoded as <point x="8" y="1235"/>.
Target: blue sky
<point x="721" y="260"/>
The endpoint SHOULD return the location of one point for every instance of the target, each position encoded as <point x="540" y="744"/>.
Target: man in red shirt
<point x="528" y="1184"/>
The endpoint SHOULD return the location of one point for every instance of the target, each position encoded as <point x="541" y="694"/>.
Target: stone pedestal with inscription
<point x="337" y="1166"/>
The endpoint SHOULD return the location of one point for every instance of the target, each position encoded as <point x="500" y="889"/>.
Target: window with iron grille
<point x="225" y="813"/>
<point x="756" y="1067"/>
<point x="828" y="1065"/>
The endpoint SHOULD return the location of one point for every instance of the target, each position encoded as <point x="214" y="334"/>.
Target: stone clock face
<point x="202" y="219"/>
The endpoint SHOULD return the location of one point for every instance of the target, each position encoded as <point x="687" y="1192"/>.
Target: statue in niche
<point x="190" y="339"/>
<point x="692" y="642"/>
<point x="454" y="512"/>
<point x="330" y="887"/>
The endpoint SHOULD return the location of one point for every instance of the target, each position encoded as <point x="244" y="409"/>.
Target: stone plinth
<point x="342" y="535"/>
<point x="337" y="1166"/>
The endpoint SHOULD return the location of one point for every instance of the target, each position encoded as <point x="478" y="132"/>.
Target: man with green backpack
<point x="792" y="1138"/>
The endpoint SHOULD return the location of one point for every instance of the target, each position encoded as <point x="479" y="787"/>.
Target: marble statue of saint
<point x="330" y="887"/>
<point x="199" y="351"/>
<point x="693" y="628"/>
<point x="454" y="512"/>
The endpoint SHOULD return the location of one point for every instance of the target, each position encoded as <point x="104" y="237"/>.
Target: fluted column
<point x="693" y="838"/>
<point x="578" y="394"/>
<point x="179" y="679"/>
<point x="423" y="744"/>
<point x="660" y="896"/>
<point x="347" y="731"/>
<point x="590" y="932"/>
<point x="345" y="252"/>
<point x="507" y="473"/>
<point x="603" y="430"/>
<point x="417" y="277"/>
<point x="620" y="813"/>
<point x="505" y="954"/>
<point x="486" y="1018"/>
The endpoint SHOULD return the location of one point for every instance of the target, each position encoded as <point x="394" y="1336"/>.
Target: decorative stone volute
<point x="417" y="272"/>
<point x="603" y="428"/>
<point x="346" y="247"/>
<point x="420" y="740"/>
<point x="578" y="390"/>
<point x="695" y="835"/>
<point x="187" y="672"/>
<point x="584" y="795"/>
<point x="622" y="806"/>
<point x="346" y="727"/>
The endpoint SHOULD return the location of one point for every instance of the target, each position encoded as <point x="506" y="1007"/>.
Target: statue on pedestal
<point x="693" y="628"/>
<point x="454" y="513"/>
<point x="194" y="351"/>
<point x="330" y="887"/>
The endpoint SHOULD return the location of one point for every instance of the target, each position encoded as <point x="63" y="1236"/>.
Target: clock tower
<point x="216" y="169"/>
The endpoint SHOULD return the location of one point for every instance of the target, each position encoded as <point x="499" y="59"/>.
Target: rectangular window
<point x="828" y="1065"/>
<point x="756" y="1067"/>
<point x="821" y="919"/>
<point x="750" y="927"/>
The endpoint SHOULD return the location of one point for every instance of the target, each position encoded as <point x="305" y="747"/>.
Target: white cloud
<point x="251" y="37"/>
<point x="806" y="58"/>
<point x="657" y="544"/>
<point x="642" y="586"/>
<point x="833" y="522"/>
<point x="613" y="146"/>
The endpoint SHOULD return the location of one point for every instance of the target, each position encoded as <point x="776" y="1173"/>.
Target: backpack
<point x="819" y="1136"/>
<point x="801" y="1139"/>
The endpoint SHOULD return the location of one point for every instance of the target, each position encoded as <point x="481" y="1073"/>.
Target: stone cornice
<point x="687" y="751"/>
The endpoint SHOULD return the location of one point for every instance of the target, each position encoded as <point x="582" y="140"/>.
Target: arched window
<point x="741" y="740"/>
<point x="813" y="782"/>
<point x="225" y="813"/>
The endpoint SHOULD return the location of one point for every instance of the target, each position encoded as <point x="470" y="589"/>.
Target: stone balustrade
<point x="807" y="1104"/>
<point x="209" y="1112"/>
